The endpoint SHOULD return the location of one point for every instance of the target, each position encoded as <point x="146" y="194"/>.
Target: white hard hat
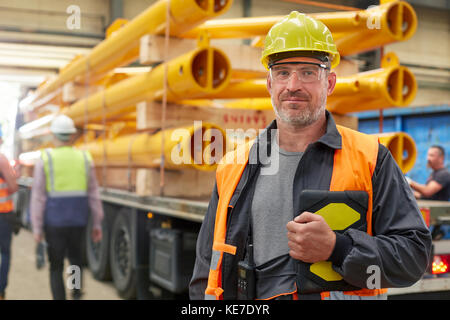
<point x="62" y="124"/>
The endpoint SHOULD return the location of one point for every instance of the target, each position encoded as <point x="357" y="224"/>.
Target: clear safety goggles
<point x="307" y="72"/>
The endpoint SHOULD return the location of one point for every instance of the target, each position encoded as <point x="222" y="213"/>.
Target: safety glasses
<point x="307" y="72"/>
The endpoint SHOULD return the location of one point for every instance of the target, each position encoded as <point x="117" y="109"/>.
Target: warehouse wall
<point x="132" y="8"/>
<point x="50" y="15"/>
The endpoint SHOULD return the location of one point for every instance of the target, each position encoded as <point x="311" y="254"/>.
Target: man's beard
<point x="309" y="115"/>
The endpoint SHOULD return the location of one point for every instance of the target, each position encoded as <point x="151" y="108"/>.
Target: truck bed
<point x="183" y="208"/>
<point x="188" y="209"/>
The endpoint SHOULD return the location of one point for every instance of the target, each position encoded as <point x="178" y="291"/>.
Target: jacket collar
<point x="332" y="138"/>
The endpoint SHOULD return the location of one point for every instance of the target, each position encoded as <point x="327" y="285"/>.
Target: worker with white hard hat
<point x="64" y="193"/>
<point x="63" y="127"/>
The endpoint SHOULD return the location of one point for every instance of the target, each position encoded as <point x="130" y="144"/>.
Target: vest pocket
<point x="275" y="278"/>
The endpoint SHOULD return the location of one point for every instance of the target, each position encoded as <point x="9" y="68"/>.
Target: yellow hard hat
<point x="298" y="32"/>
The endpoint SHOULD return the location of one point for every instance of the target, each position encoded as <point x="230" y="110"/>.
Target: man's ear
<point x="269" y="83"/>
<point x="331" y="80"/>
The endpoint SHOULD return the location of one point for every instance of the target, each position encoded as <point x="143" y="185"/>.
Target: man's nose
<point x="294" y="83"/>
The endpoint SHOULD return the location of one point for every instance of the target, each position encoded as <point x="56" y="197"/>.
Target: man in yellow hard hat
<point x="260" y="238"/>
<point x="64" y="193"/>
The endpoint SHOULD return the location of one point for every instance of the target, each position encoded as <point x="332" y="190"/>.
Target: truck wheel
<point x="123" y="275"/>
<point x="98" y="253"/>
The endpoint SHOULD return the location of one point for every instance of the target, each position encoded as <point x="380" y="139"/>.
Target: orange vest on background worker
<point x="353" y="168"/>
<point x="6" y="202"/>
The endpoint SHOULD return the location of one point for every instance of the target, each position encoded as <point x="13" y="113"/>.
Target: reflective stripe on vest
<point x="363" y="294"/>
<point x="350" y="172"/>
<point x="6" y="202"/>
<point x="227" y="178"/>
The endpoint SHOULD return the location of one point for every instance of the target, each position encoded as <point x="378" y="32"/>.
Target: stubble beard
<point x="310" y="114"/>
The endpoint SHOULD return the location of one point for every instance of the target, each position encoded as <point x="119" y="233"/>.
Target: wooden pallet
<point x="241" y="57"/>
<point x="146" y="182"/>
<point x="149" y="115"/>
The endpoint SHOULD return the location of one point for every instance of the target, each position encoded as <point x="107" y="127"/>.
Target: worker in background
<point x="391" y="242"/>
<point x="64" y="192"/>
<point x="8" y="186"/>
<point x="438" y="183"/>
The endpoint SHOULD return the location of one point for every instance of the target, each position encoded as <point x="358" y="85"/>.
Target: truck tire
<point x="122" y="272"/>
<point x="97" y="254"/>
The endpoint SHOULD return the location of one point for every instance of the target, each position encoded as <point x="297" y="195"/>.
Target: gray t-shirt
<point x="272" y="207"/>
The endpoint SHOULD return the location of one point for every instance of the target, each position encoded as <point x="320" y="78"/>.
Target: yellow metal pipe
<point x="387" y="23"/>
<point x="185" y="14"/>
<point x="250" y="103"/>
<point x="377" y="26"/>
<point x="195" y="74"/>
<point x="234" y="27"/>
<point x="185" y="147"/>
<point x="111" y="129"/>
<point x="372" y="90"/>
<point x="402" y="147"/>
<point x="253" y="88"/>
<point x="128" y="114"/>
<point x="239" y="75"/>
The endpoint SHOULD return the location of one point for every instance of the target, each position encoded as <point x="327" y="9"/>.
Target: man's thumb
<point x="305" y="217"/>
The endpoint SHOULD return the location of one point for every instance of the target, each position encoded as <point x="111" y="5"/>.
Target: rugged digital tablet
<point x="341" y="210"/>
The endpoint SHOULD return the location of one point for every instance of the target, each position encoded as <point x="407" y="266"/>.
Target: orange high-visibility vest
<point x="6" y="203"/>
<point x="353" y="168"/>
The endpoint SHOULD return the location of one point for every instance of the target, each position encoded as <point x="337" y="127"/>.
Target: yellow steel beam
<point x="186" y="147"/>
<point x="402" y="147"/>
<point x="122" y="46"/>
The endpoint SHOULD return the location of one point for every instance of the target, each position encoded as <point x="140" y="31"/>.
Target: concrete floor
<point x="25" y="282"/>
